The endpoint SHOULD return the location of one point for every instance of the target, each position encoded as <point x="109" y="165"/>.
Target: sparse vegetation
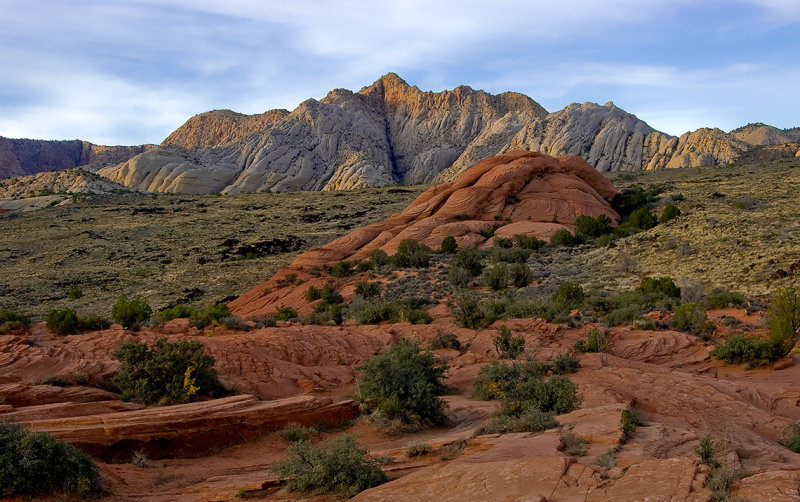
<point x="507" y="345"/>
<point x="338" y="466"/>
<point x="689" y="317"/>
<point x="444" y="341"/>
<point x="449" y="244"/>
<point x="36" y="463"/>
<point x="630" y="420"/>
<point x="572" y="444"/>
<point x="131" y="314"/>
<point x="783" y="319"/>
<point x="404" y="383"/>
<point x="740" y="349"/>
<point x="418" y="448"/>
<point x="166" y="373"/>
<point x="11" y="320"/>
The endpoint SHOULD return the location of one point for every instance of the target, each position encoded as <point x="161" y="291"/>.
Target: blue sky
<point x="131" y="71"/>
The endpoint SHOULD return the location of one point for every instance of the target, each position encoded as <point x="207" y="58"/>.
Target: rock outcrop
<point x="67" y="181"/>
<point x="518" y="192"/>
<point x="763" y="134"/>
<point x="22" y="157"/>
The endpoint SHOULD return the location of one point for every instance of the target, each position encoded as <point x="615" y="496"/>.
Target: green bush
<point x="783" y="319"/>
<point x="722" y="298"/>
<point x="565" y="363"/>
<point x="670" y="212"/>
<point x="469" y="259"/>
<point x="93" y="322"/>
<point x="689" y="317"/>
<point x="11" y="319"/>
<point x="530" y="420"/>
<point x="378" y="257"/>
<point x="629" y="421"/>
<point x="404" y="383"/>
<point x="411" y="254"/>
<point x="563" y="237"/>
<point x="706" y="451"/>
<point x="313" y="293"/>
<point x="593" y="227"/>
<point x="166" y="373"/>
<point x="131" y="314"/>
<point x="74" y="293"/>
<point x="63" y="322"/>
<point x="596" y="341"/>
<point x="444" y="341"/>
<point x="330" y="295"/>
<point x="641" y="219"/>
<point x="36" y="463"/>
<point x="467" y="311"/>
<point x="502" y="242"/>
<point x="497" y="277"/>
<point x="338" y="466"/>
<point x="791" y="437"/>
<point x="521" y="274"/>
<point x="568" y="296"/>
<point x="629" y="200"/>
<point x="663" y="286"/>
<point x="521" y="386"/>
<point x="366" y="289"/>
<point x="739" y="349"/>
<point x="343" y="269"/>
<point x="449" y="244"/>
<point x="458" y="276"/>
<point x="411" y="310"/>
<point x="284" y="314"/>
<point x="528" y="242"/>
<point x="418" y="448"/>
<point x="179" y="311"/>
<point x="509" y="255"/>
<point x="508" y="346"/>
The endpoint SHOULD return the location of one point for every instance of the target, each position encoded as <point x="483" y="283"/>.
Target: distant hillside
<point x="21" y="157"/>
<point x="393" y="133"/>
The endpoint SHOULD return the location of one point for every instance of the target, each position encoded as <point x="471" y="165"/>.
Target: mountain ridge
<point x="391" y="132"/>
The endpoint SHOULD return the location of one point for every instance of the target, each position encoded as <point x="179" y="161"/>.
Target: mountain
<point x="22" y="157"/>
<point x="391" y="132"/>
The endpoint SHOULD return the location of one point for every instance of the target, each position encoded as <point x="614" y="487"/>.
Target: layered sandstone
<point x="68" y="181"/>
<point x="763" y="134"/>
<point x="518" y="192"/>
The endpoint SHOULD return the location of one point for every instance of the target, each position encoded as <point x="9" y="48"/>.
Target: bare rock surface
<point x="67" y="181"/>
<point x="516" y="193"/>
<point x="763" y="134"/>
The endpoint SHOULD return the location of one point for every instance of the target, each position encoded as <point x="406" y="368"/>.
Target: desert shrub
<point x="418" y="448"/>
<point x="411" y="253"/>
<point x="565" y="363"/>
<point x="670" y="212"/>
<point x="721" y="482"/>
<point x="166" y="373"/>
<point x="528" y="242"/>
<point x="531" y="420"/>
<point x="74" y="293"/>
<point x="93" y="322"/>
<point x="706" y="451"/>
<point x="56" y="380"/>
<point x="444" y="341"/>
<point x="179" y="311"/>
<point x="572" y="444"/>
<point x="449" y="244"/>
<point x="63" y="322"/>
<point x="783" y="319"/>
<point x="791" y="437"/>
<point x="720" y="298"/>
<point x="627" y="201"/>
<point x="366" y="289"/>
<point x="330" y="295"/>
<point x="467" y="311"/>
<point x="140" y="459"/>
<point x="337" y="466"/>
<point x="630" y="420"/>
<point x="234" y="323"/>
<point x="411" y="310"/>
<point x="36" y="463"/>
<point x="343" y="269"/>
<point x="296" y="432"/>
<point x="458" y="276"/>
<point x="284" y="314"/>
<point x="607" y="459"/>
<point x="131" y="314"/>
<point x="596" y="341"/>
<point x="641" y="219"/>
<point x="313" y="293"/>
<point x="378" y="257"/>
<point x="623" y="316"/>
<point x="562" y="237"/>
<point x="593" y="227"/>
<point x="404" y="383"/>
<point x="568" y="296"/>
<point x="662" y="286"/>
<point x="688" y="317"/>
<point x="11" y="319"/>
<point x="364" y="266"/>
<point x="502" y="242"/>
<point x="497" y="277"/>
<point x="739" y="349"/>
<point x="507" y="345"/>
<point x="469" y="259"/>
<point x="521" y="386"/>
<point x="521" y="274"/>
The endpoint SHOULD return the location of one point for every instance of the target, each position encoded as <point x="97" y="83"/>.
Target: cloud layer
<point x="132" y="71"/>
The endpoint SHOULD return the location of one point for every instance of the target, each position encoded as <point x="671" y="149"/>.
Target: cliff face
<point x="387" y="133"/>
<point x="22" y="157"/>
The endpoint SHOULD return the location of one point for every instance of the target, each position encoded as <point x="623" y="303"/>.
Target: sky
<point x="132" y="71"/>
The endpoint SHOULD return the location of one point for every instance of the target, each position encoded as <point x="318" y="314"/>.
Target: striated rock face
<point x="763" y="134"/>
<point x="21" y="157"/>
<point x="218" y="127"/>
<point x="518" y="192"/>
<point x="706" y="147"/>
